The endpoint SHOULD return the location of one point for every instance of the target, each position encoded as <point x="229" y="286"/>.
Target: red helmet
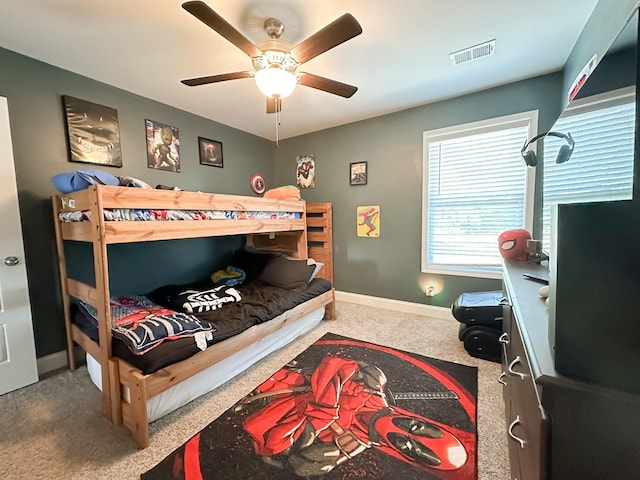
<point x="513" y="244"/>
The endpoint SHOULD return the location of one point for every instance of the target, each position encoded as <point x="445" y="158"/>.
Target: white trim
<point x="601" y="100"/>
<point x="50" y="363"/>
<point x="491" y="272"/>
<point x="396" y="305"/>
<point x="521" y="119"/>
<point x="528" y="119"/>
<point x="530" y="177"/>
<point x="56" y="361"/>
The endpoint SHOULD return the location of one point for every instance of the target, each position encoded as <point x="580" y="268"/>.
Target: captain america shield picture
<point x="257" y="184"/>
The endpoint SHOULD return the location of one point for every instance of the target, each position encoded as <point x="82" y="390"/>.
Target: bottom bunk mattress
<point x="214" y="376"/>
<point x="259" y="303"/>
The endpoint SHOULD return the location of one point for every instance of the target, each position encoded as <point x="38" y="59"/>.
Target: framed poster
<point x="306" y="171"/>
<point x="358" y="173"/>
<point x="368" y="223"/>
<point x="163" y="146"/>
<point x="93" y="132"/>
<point x="582" y="77"/>
<point x="210" y="152"/>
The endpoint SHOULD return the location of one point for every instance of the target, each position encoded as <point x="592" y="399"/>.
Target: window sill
<point x="465" y="272"/>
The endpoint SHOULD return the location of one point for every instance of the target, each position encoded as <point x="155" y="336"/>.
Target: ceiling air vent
<point x="473" y="53"/>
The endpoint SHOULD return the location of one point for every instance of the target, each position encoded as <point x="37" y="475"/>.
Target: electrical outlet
<point x="429" y="290"/>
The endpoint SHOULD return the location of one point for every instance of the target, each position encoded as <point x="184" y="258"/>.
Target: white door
<point x="18" y="365"/>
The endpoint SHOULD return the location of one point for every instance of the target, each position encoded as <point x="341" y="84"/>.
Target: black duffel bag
<point x="481" y="342"/>
<point x="479" y="308"/>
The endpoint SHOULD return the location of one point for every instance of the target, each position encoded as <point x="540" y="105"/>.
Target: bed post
<point x="110" y="398"/>
<point x="64" y="289"/>
<point x="138" y="421"/>
<point x="302" y="247"/>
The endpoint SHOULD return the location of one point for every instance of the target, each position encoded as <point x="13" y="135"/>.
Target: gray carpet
<point x="55" y="429"/>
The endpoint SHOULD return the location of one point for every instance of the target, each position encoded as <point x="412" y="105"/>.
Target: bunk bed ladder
<point x="320" y="242"/>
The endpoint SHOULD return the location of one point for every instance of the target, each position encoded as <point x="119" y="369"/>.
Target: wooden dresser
<point x="558" y="427"/>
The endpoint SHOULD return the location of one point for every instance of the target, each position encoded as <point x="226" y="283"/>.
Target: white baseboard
<point x="56" y="361"/>
<point x="397" y="305"/>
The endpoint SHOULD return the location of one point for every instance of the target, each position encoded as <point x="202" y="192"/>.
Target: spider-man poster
<point x="343" y="409"/>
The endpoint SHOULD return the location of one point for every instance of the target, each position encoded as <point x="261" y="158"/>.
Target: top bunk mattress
<point x="135" y="214"/>
<point x="153" y="215"/>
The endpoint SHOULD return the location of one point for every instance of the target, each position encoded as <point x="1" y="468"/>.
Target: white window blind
<point x="601" y="166"/>
<point x="475" y="188"/>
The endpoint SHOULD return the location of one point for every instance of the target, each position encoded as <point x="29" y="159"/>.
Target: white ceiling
<point x="401" y="59"/>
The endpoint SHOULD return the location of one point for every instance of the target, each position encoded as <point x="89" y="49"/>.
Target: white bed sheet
<point x="223" y="371"/>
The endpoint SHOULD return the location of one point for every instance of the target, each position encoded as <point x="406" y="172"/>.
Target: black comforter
<point x="259" y="304"/>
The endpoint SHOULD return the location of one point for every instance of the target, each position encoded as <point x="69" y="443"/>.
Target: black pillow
<point x="252" y="262"/>
<point x="292" y="274"/>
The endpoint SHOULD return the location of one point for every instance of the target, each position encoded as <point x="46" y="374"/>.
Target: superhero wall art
<point x="93" y="132"/>
<point x="163" y="146"/>
<point x="343" y="409"/>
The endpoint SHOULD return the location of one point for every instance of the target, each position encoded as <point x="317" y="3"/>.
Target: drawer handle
<point x="504" y="338"/>
<point x="501" y="379"/>
<point x="513" y="364"/>
<point x="512" y="435"/>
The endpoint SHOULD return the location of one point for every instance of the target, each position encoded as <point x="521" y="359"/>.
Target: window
<point x="601" y="166"/>
<point x="475" y="186"/>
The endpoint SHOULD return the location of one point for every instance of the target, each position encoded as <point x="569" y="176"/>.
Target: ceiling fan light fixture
<point x="275" y="82"/>
<point x="274" y="61"/>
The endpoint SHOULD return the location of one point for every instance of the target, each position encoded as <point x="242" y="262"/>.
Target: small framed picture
<point x="210" y="152"/>
<point x="306" y="171"/>
<point x="163" y="146"/>
<point x="358" y="173"/>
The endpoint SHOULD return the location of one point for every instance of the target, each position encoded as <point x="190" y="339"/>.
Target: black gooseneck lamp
<point x="564" y="154"/>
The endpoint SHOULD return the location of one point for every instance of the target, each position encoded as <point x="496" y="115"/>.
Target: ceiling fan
<point x="275" y="62"/>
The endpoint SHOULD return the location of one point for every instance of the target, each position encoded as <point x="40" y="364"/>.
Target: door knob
<point x="11" y="261"/>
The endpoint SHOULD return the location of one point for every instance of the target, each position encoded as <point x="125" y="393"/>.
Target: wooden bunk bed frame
<point x="125" y="389"/>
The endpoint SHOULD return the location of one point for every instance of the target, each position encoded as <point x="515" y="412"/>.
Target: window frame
<point x="528" y="119"/>
<point x="592" y="103"/>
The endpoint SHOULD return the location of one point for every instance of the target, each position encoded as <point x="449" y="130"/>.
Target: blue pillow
<point x="68" y="182"/>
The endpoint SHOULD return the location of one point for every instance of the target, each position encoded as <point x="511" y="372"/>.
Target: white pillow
<point x="318" y="266"/>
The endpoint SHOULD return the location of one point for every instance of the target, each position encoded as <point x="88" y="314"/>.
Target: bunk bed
<point x="104" y="215"/>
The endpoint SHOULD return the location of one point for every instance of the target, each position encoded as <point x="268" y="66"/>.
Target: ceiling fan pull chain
<point x="278" y="104"/>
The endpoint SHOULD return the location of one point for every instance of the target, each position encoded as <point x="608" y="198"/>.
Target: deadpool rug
<point x="343" y="409"/>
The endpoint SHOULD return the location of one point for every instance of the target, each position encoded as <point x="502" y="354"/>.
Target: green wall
<point x="389" y="266"/>
<point x="34" y="91"/>
<point x="602" y="28"/>
<point x="392" y="144"/>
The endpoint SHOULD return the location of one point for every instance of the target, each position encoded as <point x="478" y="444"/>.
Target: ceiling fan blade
<point x="337" y="32"/>
<point x="206" y="15"/>
<point x="327" y="85"/>
<point x="223" y="77"/>
<point x="274" y="105"/>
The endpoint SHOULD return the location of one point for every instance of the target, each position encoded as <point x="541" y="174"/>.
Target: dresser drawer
<point x="527" y="422"/>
